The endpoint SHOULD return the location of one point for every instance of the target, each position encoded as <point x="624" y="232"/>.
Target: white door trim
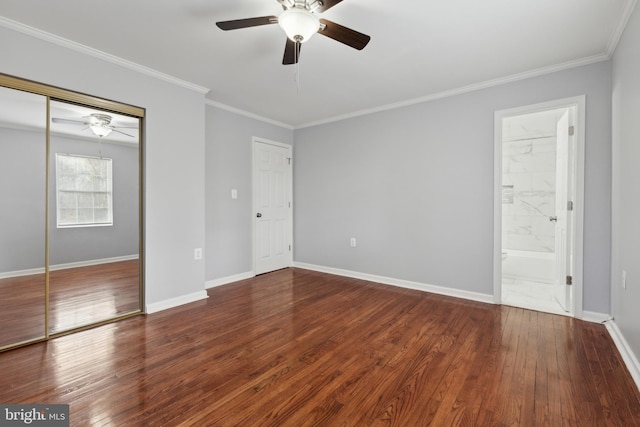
<point x="578" y="226"/>
<point x="254" y="141"/>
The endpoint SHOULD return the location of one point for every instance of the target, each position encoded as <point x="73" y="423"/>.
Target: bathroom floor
<point x="531" y="295"/>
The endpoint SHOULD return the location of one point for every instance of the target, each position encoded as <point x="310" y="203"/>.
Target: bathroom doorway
<point x="539" y="181"/>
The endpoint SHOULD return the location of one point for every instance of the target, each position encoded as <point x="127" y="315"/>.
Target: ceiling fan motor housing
<point x="100" y="119"/>
<point x="310" y="5"/>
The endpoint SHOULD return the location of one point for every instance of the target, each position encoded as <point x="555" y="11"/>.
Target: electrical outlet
<point x="624" y="279"/>
<point x="197" y="253"/>
<point x="353" y="242"/>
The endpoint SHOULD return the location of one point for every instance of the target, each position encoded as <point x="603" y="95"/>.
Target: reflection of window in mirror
<point x="84" y="189"/>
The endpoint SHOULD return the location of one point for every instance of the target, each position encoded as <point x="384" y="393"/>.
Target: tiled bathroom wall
<point x="528" y="194"/>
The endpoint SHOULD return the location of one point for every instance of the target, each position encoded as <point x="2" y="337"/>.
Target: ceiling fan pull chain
<point x="297" y="65"/>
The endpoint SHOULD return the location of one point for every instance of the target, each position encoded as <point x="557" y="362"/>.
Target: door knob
<point x="259" y="215"/>
<point x="553" y="218"/>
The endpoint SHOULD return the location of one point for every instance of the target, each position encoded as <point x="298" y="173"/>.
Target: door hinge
<point x="289" y="248"/>
<point x="570" y="205"/>
<point x="572" y="130"/>
<point x="569" y="280"/>
<point x="289" y="160"/>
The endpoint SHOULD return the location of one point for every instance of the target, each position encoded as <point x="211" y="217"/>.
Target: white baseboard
<point x="229" y="279"/>
<point x="473" y="296"/>
<point x="20" y="273"/>
<point x="55" y="267"/>
<point x="595" y="317"/>
<point x="629" y="358"/>
<point x="92" y="262"/>
<point x="589" y="316"/>
<point x="175" y="302"/>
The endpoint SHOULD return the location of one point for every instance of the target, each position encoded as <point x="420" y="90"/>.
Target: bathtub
<point x="528" y="266"/>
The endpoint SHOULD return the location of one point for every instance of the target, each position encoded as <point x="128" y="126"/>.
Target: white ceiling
<point x="419" y="49"/>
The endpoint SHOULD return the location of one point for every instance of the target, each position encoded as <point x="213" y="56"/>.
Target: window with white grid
<point x="84" y="190"/>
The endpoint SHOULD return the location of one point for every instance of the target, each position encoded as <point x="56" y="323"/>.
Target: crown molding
<point x="231" y="109"/>
<point x="606" y="55"/>
<point x="465" y="89"/>
<point x="60" y="41"/>
<point x="622" y="24"/>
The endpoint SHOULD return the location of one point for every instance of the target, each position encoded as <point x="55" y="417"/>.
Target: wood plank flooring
<point x="78" y="297"/>
<point x="85" y="295"/>
<point x="301" y="348"/>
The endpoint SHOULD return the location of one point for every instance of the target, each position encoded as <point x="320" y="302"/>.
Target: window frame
<point x="108" y="192"/>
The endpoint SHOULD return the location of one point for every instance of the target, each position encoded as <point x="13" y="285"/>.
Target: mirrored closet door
<point x="93" y="216"/>
<point x="23" y="184"/>
<point x="70" y="226"/>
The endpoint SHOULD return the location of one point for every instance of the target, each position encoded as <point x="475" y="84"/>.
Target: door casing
<point x="579" y="102"/>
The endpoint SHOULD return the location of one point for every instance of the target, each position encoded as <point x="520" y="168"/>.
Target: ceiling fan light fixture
<point x="100" y="124"/>
<point x="100" y="130"/>
<point x="299" y="24"/>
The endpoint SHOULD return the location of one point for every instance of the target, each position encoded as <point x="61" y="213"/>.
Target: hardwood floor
<point x="301" y="348"/>
<point x="85" y="295"/>
<point x="22" y="309"/>
<point x="78" y="297"/>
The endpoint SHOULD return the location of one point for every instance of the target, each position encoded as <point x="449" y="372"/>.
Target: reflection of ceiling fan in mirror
<point x="100" y="124"/>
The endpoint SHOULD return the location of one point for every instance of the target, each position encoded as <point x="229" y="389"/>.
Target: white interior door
<point x="563" y="225"/>
<point x="272" y="206"/>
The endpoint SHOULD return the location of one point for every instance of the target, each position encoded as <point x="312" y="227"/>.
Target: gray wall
<point x="626" y="184"/>
<point x="174" y="150"/>
<point x="22" y="191"/>
<point x="228" y="155"/>
<point x="415" y="186"/>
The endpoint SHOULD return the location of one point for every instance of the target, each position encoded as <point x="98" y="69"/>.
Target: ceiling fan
<point x="100" y="124"/>
<point x="299" y="21"/>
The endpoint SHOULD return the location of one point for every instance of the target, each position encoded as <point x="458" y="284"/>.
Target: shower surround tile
<point x="529" y="167"/>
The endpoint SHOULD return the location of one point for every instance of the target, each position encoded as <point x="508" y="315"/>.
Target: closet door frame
<point x="58" y="94"/>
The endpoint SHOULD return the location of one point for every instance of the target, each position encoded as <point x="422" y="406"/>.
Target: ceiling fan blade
<point x="327" y="4"/>
<point x="291" y="52"/>
<point x="68" y="121"/>
<point x="116" y="130"/>
<point x="343" y="34"/>
<point x="245" y="23"/>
